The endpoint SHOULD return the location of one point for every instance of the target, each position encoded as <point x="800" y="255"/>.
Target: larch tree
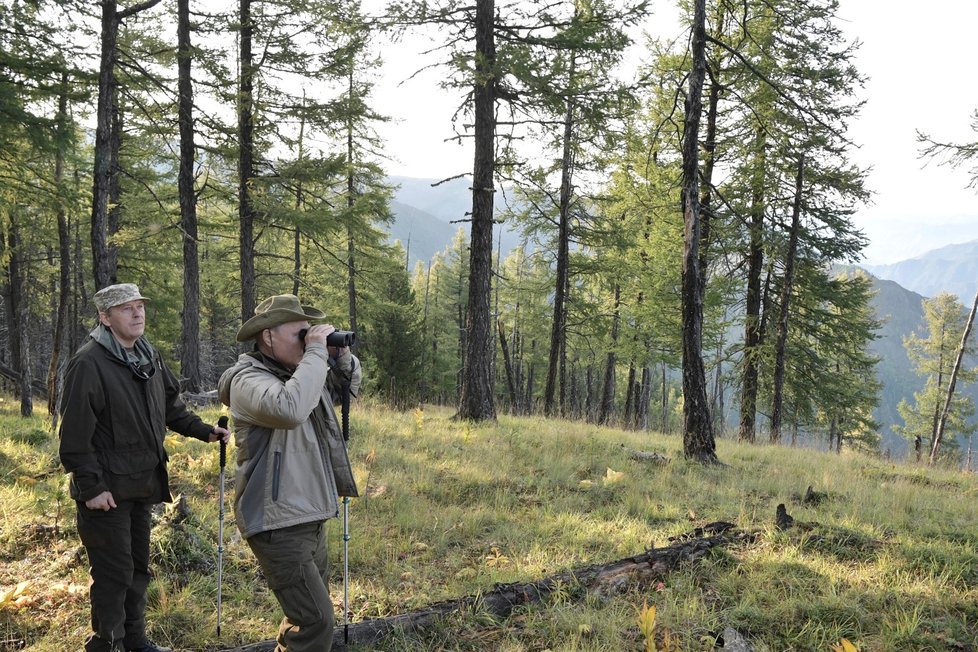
<point x="933" y="355"/>
<point x="698" y="439"/>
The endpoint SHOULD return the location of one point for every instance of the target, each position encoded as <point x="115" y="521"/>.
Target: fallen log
<point x="37" y="386"/>
<point x="606" y="579"/>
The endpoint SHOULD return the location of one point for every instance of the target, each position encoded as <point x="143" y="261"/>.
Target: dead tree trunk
<point x="939" y="435"/>
<point x="612" y="578"/>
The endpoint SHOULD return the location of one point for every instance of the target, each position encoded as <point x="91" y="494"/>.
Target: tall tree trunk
<point x="717" y="404"/>
<point x="631" y="395"/>
<point x="939" y="436"/>
<point x="781" y="345"/>
<point x="558" y="329"/>
<point x="706" y="182"/>
<point x="664" y="402"/>
<point x="752" y="308"/>
<point x="246" y="163"/>
<point x="54" y="380"/>
<point x="299" y="200"/>
<point x="476" y="401"/>
<point x="698" y="442"/>
<point x="19" y="310"/>
<point x="643" y="406"/>
<point x="104" y="271"/>
<point x="108" y="136"/>
<point x="508" y="364"/>
<point x="190" y="318"/>
<point x="589" y="409"/>
<point x="608" y="393"/>
<point x="351" y="187"/>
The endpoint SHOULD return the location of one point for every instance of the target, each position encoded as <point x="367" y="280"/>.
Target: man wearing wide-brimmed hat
<point x="292" y="464"/>
<point x="119" y="399"/>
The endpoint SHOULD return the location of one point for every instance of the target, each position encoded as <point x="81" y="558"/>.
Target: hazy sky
<point x="918" y="58"/>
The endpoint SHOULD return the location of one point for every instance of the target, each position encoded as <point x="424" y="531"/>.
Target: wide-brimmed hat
<point x="115" y="295"/>
<point x="275" y="311"/>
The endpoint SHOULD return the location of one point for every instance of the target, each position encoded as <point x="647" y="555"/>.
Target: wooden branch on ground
<point x="607" y="579"/>
<point x="13" y="376"/>
<point x="647" y="456"/>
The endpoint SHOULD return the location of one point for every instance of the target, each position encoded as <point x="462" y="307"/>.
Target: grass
<point x="888" y="560"/>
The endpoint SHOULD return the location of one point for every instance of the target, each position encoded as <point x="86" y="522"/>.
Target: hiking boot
<point x="149" y="647"/>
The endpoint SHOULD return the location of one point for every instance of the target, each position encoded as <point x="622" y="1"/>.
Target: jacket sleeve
<point x="82" y="400"/>
<point x="178" y="416"/>
<point x="261" y="398"/>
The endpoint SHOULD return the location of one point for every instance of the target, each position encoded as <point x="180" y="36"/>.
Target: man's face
<point x="284" y="343"/>
<point x="127" y="321"/>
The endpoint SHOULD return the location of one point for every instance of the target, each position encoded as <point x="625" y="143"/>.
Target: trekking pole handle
<point x="223" y="423"/>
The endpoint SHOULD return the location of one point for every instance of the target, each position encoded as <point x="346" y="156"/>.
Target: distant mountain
<point x="953" y="268"/>
<point x="902" y="313"/>
<point x="421" y="234"/>
<point x="428" y="216"/>
<point x="449" y="201"/>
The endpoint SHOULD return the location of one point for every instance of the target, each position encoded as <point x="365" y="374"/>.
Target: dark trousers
<point x="117" y="543"/>
<point x="294" y="563"/>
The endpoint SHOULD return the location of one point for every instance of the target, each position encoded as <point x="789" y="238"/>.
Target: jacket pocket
<point x="276" y="474"/>
<point x="131" y="475"/>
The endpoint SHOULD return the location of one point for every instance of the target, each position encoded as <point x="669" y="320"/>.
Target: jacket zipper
<point x="276" y="470"/>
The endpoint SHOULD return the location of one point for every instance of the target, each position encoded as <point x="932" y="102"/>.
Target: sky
<point x="917" y="57"/>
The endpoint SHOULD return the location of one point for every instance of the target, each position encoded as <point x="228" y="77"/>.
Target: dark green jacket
<point x="112" y="425"/>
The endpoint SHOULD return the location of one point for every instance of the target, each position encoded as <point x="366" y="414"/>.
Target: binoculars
<point x="336" y="338"/>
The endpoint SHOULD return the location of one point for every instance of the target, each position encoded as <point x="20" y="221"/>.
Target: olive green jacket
<point x="292" y="462"/>
<point x="112" y="424"/>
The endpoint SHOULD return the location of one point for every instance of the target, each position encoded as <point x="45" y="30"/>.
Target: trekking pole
<point x="346" y="522"/>
<point x="221" y="423"/>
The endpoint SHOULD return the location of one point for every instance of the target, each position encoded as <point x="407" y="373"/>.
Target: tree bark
<point x="939" y="436"/>
<point x="19" y="311"/>
<point x="607" y="407"/>
<point x="646" y="398"/>
<point x="246" y="164"/>
<point x="631" y="396"/>
<point x="64" y="256"/>
<point x="698" y="441"/>
<point x="476" y="401"/>
<point x="104" y="271"/>
<point x="190" y="317"/>
<point x="351" y="267"/>
<point x="558" y="329"/>
<point x="752" y="308"/>
<point x="782" y="337"/>
<point x="508" y="364"/>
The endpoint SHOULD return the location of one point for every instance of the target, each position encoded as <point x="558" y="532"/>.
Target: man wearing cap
<point x="292" y="464"/>
<point x="119" y="399"/>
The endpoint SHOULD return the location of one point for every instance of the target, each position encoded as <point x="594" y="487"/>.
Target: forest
<point x="682" y="229"/>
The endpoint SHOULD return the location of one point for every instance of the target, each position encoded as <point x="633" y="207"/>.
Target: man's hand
<point x="317" y="334"/>
<point x="219" y="433"/>
<point x="104" y="501"/>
